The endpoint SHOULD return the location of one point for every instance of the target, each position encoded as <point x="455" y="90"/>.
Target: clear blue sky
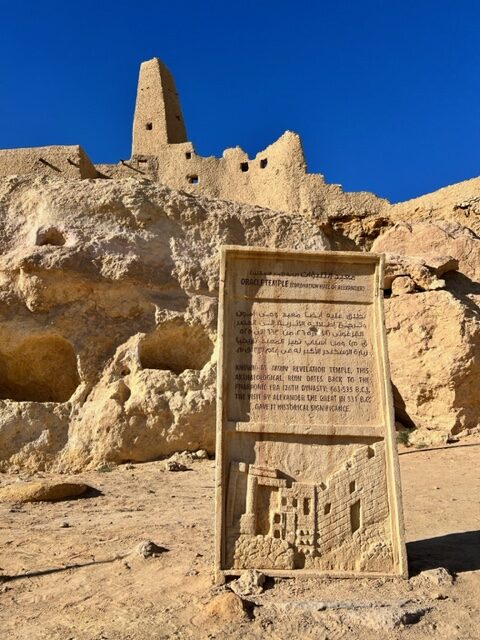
<point x="386" y="95"/>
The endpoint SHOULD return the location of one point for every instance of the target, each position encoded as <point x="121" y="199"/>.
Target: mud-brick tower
<point x="158" y="119"/>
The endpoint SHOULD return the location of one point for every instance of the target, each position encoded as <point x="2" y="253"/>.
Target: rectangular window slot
<point x="193" y="179"/>
<point x="355" y="516"/>
<point x="353" y="486"/>
<point x="244" y="166"/>
<point x="263" y="163"/>
<point x="149" y="126"/>
<point x="188" y="155"/>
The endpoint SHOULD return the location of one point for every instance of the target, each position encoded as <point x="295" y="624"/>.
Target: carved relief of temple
<point x="340" y="524"/>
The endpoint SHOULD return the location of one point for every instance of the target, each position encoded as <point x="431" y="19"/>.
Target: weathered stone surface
<point x="434" y="337"/>
<point x="406" y="274"/>
<point x="434" y="348"/>
<point x="67" y="161"/>
<point x="276" y="178"/>
<point x="108" y="315"/>
<point x="458" y="203"/>
<point x="431" y="242"/>
<point x="108" y="298"/>
<point x="149" y="549"/>
<point x="307" y="478"/>
<point x="41" y="491"/>
<point x="226" y="608"/>
<point x="250" y="583"/>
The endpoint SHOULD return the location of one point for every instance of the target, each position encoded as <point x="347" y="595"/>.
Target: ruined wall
<point x="66" y="161"/>
<point x="276" y="178"/>
<point x="158" y="119"/>
<point x="360" y="482"/>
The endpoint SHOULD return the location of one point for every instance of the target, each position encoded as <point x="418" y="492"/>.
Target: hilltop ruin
<point x="109" y="284"/>
<point x="277" y="178"/>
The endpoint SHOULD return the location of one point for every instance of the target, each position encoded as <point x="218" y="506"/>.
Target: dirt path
<point x="74" y="573"/>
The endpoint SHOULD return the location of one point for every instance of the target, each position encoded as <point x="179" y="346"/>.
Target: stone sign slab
<point x="307" y="470"/>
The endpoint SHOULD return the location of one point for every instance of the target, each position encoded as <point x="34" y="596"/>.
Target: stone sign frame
<point x="374" y="439"/>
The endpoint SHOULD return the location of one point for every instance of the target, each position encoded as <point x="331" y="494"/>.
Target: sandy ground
<point x="70" y="569"/>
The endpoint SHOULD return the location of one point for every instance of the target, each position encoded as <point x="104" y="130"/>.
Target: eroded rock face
<point x="108" y="304"/>
<point x="434" y="347"/>
<point x="433" y="241"/>
<point x="434" y="334"/>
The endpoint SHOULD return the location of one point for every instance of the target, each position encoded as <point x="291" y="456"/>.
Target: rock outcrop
<point x="434" y="334"/>
<point x="108" y="305"/>
<point x="108" y="299"/>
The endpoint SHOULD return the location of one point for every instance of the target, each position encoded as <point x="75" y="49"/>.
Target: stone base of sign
<point x="307" y="471"/>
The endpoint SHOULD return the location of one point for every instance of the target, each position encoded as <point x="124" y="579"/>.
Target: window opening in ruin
<point x="188" y="155"/>
<point x="353" y="486"/>
<point x="276" y="534"/>
<point x="149" y="126"/>
<point x="294" y="502"/>
<point x="306" y="506"/>
<point x="263" y="163"/>
<point x="355" y="516"/>
<point x="370" y="453"/>
<point x="327" y="508"/>
<point x="284" y="502"/>
<point x="276" y="518"/>
<point x="244" y="166"/>
<point x="194" y="179"/>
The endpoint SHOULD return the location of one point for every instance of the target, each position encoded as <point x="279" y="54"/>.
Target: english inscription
<point x="306" y="474"/>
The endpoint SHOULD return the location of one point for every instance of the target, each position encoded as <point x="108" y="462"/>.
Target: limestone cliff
<point x="108" y="316"/>
<point x="108" y="304"/>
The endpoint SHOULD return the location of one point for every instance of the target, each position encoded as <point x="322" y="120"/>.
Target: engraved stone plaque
<point x="307" y="468"/>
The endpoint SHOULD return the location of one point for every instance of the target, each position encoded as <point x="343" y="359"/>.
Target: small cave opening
<point x="49" y="236"/>
<point x="176" y="346"/>
<point x="39" y="368"/>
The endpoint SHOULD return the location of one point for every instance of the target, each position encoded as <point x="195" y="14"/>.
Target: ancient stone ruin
<point x="109" y="288"/>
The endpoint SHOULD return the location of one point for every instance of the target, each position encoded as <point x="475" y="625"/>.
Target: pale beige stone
<point x="412" y="273"/>
<point x="277" y="178"/>
<point x="66" y="161"/>
<point x="41" y="491"/>
<point x="432" y="243"/>
<point x="103" y="276"/>
<point x="434" y="347"/>
<point x="108" y="298"/>
<point x="225" y="608"/>
<point x="458" y="203"/>
<point x="307" y="475"/>
<point x="402" y="285"/>
<point x="434" y="339"/>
